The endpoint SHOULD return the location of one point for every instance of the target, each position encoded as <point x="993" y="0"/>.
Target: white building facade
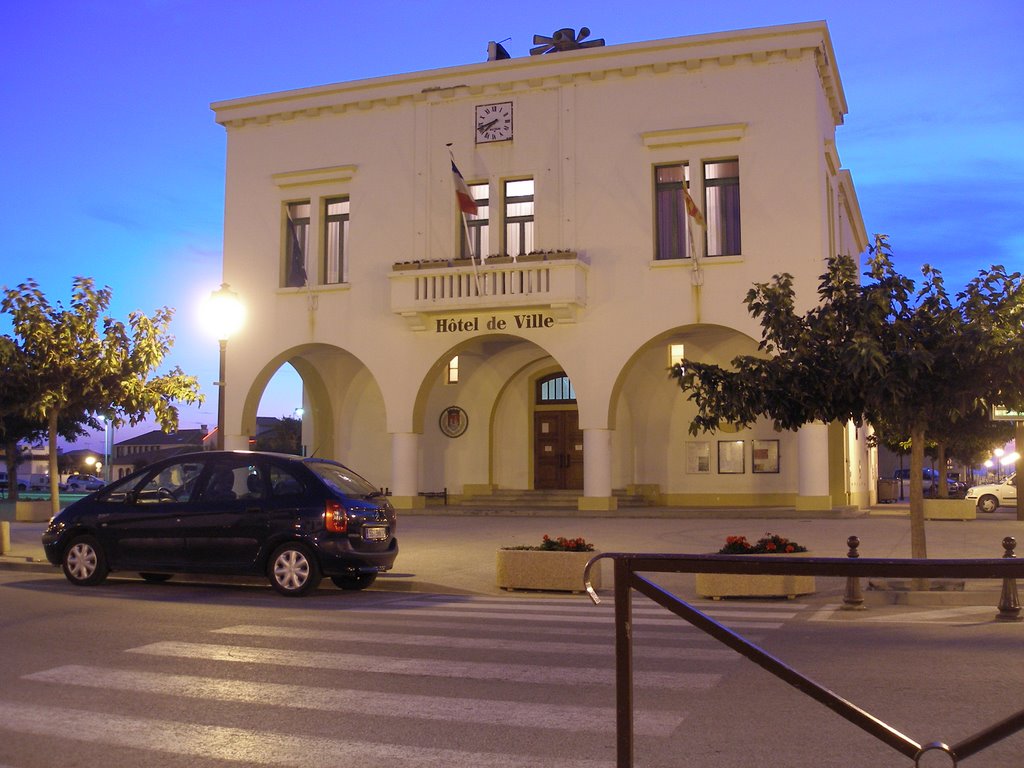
<point x="545" y="364"/>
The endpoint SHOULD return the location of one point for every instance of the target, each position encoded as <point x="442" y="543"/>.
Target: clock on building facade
<point x="493" y="122"/>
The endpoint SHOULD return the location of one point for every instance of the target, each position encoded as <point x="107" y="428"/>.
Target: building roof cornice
<point x="507" y="76"/>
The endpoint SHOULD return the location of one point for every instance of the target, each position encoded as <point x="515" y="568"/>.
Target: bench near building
<point x="541" y="364"/>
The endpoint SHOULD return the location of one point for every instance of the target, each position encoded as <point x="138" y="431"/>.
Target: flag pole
<point x="697" y="274"/>
<point x="465" y="225"/>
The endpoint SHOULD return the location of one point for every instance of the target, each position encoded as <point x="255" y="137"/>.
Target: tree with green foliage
<point x="18" y="387"/>
<point x="284" y="437"/>
<point x="80" y="363"/>
<point x="876" y="351"/>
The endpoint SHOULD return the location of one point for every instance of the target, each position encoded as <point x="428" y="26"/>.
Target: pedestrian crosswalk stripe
<point x="640" y="606"/>
<point x="251" y="747"/>
<point x="668" y="619"/>
<point x="512" y="714"/>
<point x="525" y="646"/>
<point x="964" y="614"/>
<point x="679" y="631"/>
<point x="508" y="672"/>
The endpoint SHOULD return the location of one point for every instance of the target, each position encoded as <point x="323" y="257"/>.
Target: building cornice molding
<point x="527" y="73"/>
<point x="704" y="134"/>
<point x="306" y="178"/>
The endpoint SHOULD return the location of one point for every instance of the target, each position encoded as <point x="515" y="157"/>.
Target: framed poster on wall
<point x="764" y="456"/>
<point x="698" y="457"/>
<point x="730" y="457"/>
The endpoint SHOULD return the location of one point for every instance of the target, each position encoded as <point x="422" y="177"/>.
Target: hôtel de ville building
<point x="519" y="338"/>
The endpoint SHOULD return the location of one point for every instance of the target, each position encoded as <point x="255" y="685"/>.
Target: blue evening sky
<point x="113" y="167"/>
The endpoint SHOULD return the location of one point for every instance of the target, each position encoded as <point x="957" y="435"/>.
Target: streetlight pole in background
<point x="224" y="317"/>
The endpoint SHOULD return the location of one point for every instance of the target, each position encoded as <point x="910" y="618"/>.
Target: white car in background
<point x="991" y="497"/>
<point x="84" y="483"/>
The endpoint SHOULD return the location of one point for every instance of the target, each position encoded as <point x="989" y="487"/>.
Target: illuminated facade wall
<point x="344" y="238"/>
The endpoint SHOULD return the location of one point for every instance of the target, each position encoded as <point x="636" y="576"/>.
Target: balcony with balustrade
<point x="555" y="282"/>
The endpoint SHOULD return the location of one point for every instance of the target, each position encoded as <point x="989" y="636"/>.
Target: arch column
<point x="812" y="460"/>
<point x="405" y="448"/>
<point x="597" y="471"/>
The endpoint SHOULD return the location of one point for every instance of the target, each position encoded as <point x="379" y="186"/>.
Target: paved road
<point x="203" y="675"/>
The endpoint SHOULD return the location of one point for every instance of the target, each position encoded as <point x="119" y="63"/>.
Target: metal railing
<point x="628" y="567"/>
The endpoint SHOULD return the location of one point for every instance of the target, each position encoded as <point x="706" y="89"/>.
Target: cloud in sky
<point x="113" y="165"/>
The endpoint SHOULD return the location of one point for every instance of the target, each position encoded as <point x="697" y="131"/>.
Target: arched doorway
<point x="557" y="437"/>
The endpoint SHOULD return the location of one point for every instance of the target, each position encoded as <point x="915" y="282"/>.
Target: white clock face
<point x="494" y="122"/>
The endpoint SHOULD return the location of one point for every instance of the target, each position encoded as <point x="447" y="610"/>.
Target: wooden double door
<point x="558" y="450"/>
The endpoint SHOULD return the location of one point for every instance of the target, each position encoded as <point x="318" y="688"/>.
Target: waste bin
<point x="888" y="490"/>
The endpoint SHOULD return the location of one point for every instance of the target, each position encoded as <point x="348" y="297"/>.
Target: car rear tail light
<point x="335" y="517"/>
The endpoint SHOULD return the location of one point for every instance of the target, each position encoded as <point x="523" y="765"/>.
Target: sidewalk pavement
<point x="455" y="553"/>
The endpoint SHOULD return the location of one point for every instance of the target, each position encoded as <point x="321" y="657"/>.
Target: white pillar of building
<point x="597" y="471"/>
<point x="812" y="463"/>
<point x="405" y="447"/>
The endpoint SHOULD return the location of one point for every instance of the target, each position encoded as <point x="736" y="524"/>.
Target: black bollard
<point x="1009" y="603"/>
<point x="853" y="600"/>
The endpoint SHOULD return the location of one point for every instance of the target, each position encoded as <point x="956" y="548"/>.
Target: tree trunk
<point x="52" y="463"/>
<point x="942" y="490"/>
<point x="11" y="459"/>
<point x="918" y="548"/>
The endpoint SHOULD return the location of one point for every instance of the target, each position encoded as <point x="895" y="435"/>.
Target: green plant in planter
<point x="769" y="544"/>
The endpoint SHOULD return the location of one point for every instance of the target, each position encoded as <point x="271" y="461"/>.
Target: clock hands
<point x="487" y="126"/>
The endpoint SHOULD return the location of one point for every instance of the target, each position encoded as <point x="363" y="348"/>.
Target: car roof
<point x="288" y="457"/>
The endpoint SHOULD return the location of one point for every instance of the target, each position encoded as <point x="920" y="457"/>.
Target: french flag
<point x="462" y="196"/>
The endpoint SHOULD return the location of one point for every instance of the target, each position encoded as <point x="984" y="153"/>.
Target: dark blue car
<point x="294" y="520"/>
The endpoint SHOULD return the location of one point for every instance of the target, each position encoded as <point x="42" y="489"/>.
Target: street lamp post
<point x="224" y="316"/>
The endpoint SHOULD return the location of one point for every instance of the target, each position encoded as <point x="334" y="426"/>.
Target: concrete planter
<point x="544" y="570"/>
<point x="33" y="511"/>
<point x="950" y="509"/>
<point x="719" y="585"/>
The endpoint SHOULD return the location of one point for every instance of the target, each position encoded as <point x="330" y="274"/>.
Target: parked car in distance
<point x="992" y="496"/>
<point x="3" y="482"/>
<point x="290" y="519"/>
<point x="42" y="483"/>
<point x="929" y="482"/>
<point x="79" y="483"/>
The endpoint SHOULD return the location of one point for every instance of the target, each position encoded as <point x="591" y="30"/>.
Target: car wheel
<point x="155" y="578"/>
<point x="84" y="563"/>
<point x="293" y="570"/>
<point x="988" y="503"/>
<point x="355" y="581"/>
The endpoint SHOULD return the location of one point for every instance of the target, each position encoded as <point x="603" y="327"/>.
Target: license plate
<point x="375" y="533"/>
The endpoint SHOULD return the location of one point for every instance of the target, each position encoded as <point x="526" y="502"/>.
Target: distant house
<point x="33" y="463"/>
<point x="142" y="450"/>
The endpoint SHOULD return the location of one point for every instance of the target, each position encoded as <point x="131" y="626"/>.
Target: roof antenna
<point x="496" y="51"/>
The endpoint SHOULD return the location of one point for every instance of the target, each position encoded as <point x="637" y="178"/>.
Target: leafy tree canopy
<point x="80" y="364"/>
<point x="879" y="351"/>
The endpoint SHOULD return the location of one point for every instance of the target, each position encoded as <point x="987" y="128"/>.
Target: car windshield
<point x="343" y="480"/>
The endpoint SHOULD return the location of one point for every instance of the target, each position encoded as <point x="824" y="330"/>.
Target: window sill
<point x="332" y="288"/>
<point x="707" y="261"/>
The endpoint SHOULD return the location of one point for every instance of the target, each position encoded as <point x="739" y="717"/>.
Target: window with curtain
<point x="335" y="268"/>
<point x="296" y="242"/>
<point x="671" y="223"/>
<point x="478" y="226"/>
<point x="518" y="217"/>
<point x="722" y="207"/>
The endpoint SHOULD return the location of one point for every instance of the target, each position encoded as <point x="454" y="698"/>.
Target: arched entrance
<point x="557" y="437"/>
